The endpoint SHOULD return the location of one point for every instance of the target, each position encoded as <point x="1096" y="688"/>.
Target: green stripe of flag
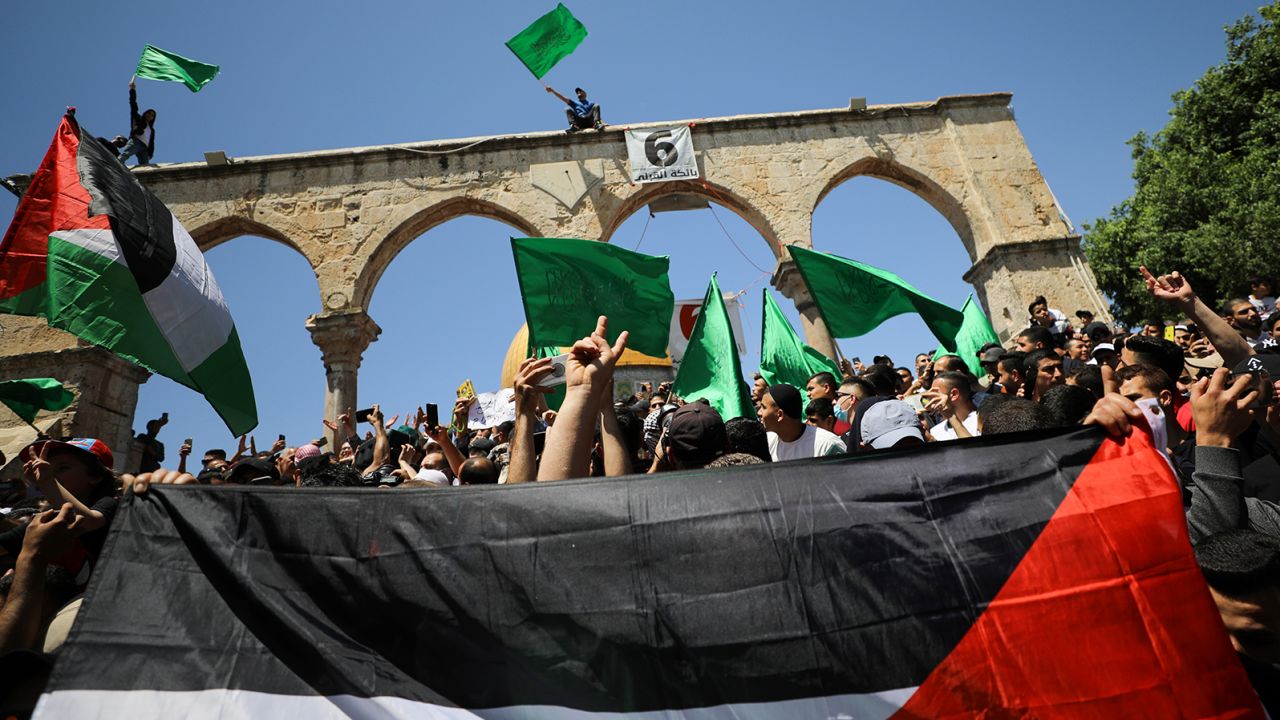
<point x="97" y="299"/>
<point x="157" y="64"/>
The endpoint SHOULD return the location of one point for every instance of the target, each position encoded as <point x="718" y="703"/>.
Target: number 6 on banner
<point x="661" y="155"/>
<point x="657" y="153"/>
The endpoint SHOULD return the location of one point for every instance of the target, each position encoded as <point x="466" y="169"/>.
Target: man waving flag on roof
<point x="99" y="256"/>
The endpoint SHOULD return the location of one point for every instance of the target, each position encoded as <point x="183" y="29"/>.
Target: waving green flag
<point x="566" y="284"/>
<point x="710" y="368"/>
<point x="974" y="333"/>
<point x="783" y="357"/>
<point x="855" y="298"/>
<point x="26" y="398"/>
<point x="158" y="64"/>
<point x="548" y="40"/>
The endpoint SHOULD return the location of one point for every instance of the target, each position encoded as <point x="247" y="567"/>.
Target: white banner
<point x="686" y="315"/>
<point x="661" y="155"/>
<point x="492" y="409"/>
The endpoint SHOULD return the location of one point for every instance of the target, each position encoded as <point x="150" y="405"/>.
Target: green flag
<point x="710" y="367"/>
<point x="26" y="398"/>
<point x="567" y="284"/>
<point x="783" y="357"/>
<point x="855" y="298"/>
<point x="974" y="333"/>
<point x="548" y="40"/>
<point x="158" y="64"/>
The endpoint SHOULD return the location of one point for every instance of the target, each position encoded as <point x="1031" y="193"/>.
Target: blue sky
<point x="296" y="76"/>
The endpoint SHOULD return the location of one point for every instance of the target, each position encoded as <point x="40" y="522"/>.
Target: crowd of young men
<point x="1208" y="396"/>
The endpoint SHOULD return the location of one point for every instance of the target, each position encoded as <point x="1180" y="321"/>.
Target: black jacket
<point x="137" y="125"/>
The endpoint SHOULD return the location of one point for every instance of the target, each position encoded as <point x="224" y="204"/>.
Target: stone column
<point x="1010" y="275"/>
<point x="786" y="278"/>
<point x="342" y="338"/>
<point x="106" y="395"/>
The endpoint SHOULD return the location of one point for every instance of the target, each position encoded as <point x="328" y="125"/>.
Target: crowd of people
<point x="1205" y="387"/>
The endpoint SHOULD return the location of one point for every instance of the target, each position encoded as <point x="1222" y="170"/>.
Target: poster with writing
<point x="661" y="155"/>
<point x="492" y="409"/>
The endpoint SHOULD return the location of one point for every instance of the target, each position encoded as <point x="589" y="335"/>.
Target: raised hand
<point x="592" y="360"/>
<point x="38" y="470"/>
<point x="1222" y="407"/>
<point x="392" y="421"/>
<point x="1171" y="288"/>
<point x="375" y="416"/>
<point x="51" y="533"/>
<point x="525" y="385"/>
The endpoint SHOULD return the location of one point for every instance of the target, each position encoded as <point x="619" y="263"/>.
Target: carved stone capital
<point x="342" y="337"/>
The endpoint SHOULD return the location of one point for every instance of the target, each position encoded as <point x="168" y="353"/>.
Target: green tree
<point x="1207" y="196"/>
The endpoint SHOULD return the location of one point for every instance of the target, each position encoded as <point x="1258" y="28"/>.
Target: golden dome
<point x="520" y="345"/>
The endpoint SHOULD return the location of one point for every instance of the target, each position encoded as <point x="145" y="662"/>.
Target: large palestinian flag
<point x="1039" y="576"/>
<point x="99" y="256"/>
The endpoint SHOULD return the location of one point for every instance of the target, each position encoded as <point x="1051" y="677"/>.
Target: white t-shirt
<point x="146" y="135"/>
<point x="815" y="442"/>
<point x="943" y="430"/>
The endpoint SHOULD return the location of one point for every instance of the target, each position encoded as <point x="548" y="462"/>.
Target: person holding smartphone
<point x="152" y="449"/>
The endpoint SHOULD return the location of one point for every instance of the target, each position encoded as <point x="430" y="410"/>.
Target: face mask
<point x="841" y="414"/>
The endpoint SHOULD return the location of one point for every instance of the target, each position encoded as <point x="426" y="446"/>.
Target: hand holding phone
<point x="433" y="415"/>
<point x="557" y="376"/>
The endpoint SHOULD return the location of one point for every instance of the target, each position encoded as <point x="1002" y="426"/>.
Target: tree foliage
<point x="1207" y="196"/>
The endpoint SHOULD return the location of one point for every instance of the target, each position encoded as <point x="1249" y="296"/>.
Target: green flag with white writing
<point x="567" y="284"/>
<point x="548" y="40"/>
<point x="26" y="398"/>
<point x="157" y="64"/>
<point x="710" y="369"/>
<point x="783" y="357"/>
<point x="975" y="332"/>
<point x="855" y="298"/>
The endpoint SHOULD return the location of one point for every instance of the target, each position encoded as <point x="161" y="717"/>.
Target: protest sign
<point x="491" y="409"/>
<point x="661" y="155"/>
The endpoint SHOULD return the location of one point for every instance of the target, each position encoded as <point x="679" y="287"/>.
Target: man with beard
<point x="1243" y="317"/>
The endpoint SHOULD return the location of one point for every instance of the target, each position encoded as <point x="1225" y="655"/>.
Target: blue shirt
<point x="582" y="109"/>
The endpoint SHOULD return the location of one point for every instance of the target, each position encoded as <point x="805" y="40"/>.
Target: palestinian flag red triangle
<point x="95" y="253"/>
<point x="1026" y="575"/>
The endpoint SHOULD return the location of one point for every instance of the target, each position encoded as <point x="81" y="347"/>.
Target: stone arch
<point x="914" y="181"/>
<point x="717" y="194"/>
<point x="419" y="221"/>
<point x="217" y="232"/>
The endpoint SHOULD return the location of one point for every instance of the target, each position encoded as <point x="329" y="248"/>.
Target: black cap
<point x="253" y="471"/>
<point x="696" y="435"/>
<point x="481" y="444"/>
<point x="788" y="399"/>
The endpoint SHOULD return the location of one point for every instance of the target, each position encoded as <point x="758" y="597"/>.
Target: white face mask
<point x="1156" y="418"/>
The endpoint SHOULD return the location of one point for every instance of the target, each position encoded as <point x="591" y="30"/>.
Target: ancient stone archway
<point x="350" y="211"/>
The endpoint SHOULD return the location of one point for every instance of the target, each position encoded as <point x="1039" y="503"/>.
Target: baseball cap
<point x="696" y="435"/>
<point x="887" y="422"/>
<point x="788" y="399"/>
<point x="992" y="354"/>
<point x="252" y="471"/>
<point x="1102" y="347"/>
<point x="1096" y="328"/>
<point x="483" y="445"/>
<point x="93" y="446"/>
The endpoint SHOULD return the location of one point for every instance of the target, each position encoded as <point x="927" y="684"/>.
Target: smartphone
<point x="557" y="375"/>
<point x="187" y="442"/>
<point x="281" y="438"/>
<point x="433" y="416"/>
<point x="320" y="442"/>
<point x="363" y="415"/>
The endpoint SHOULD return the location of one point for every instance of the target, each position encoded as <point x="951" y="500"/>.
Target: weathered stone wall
<point x="350" y="211"/>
